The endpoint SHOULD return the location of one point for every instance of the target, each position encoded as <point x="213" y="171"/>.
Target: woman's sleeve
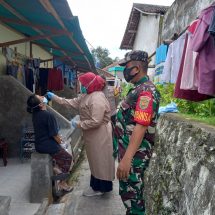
<point x="97" y="108"/>
<point x="68" y="102"/>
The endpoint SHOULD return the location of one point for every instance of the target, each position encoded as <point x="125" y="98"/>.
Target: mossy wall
<point x="180" y="177"/>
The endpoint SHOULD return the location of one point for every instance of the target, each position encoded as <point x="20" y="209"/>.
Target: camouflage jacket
<point x="140" y="106"/>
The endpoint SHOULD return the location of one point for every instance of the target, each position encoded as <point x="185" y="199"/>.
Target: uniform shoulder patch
<point x="144" y="102"/>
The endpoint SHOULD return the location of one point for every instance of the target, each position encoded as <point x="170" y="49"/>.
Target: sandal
<point x="66" y="188"/>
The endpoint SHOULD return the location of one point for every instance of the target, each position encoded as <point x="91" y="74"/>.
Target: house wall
<point x="147" y="36"/>
<point x="181" y="14"/>
<point x="147" y="33"/>
<point x="8" y="34"/>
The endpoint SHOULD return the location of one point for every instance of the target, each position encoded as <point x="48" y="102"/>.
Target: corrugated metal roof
<point x="133" y="22"/>
<point x="34" y="18"/>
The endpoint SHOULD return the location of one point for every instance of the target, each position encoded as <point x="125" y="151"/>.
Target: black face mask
<point x="126" y="72"/>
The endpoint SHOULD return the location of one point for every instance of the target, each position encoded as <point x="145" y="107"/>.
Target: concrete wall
<point x="13" y="114"/>
<point x="181" y="14"/>
<point x="180" y="177"/>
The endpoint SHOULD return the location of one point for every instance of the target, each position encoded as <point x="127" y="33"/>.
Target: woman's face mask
<point x="83" y="90"/>
<point x="45" y="101"/>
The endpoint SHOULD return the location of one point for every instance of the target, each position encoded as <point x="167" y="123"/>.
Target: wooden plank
<point x="28" y="39"/>
<point x="58" y="48"/>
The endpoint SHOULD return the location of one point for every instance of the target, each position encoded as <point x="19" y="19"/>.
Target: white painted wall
<point x="147" y="36"/>
<point x="8" y="34"/>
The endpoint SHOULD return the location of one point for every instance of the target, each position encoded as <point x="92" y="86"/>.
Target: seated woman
<point x="47" y="139"/>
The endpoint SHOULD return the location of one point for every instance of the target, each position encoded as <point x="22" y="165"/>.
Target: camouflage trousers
<point x="131" y="190"/>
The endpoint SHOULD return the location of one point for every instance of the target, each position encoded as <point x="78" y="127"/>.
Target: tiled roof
<point x="148" y="8"/>
<point x="133" y="22"/>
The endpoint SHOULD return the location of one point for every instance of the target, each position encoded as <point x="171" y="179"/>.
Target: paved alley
<point x="108" y="204"/>
<point x="15" y="181"/>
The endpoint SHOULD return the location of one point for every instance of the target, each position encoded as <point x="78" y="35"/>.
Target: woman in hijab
<point x="94" y="111"/>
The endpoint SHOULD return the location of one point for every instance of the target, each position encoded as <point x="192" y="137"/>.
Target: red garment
<point x="92" y="82"/>
<point x="191" y="95"/>
<point x="55" y="79"/>
<point x="193" y="26"/>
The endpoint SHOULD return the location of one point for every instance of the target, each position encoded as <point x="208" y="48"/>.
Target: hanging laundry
<point x="161" y="52"/>
<point x="191" y="95"/>
<point x="12" y="70"/>
<point x="158" y="73"/>
<point x="203" y="43"/>
<point x="71" y="79"/>
<point x="43" y="80"/>
<point x="189" y="79"/>
<point x="173" y="60"/>
<point x="10" y="55"/>
<point x="212" y="27"/>
<point x="21" y="74"/>
<point x="29" y="78"/>
<point x="55" y="79"/>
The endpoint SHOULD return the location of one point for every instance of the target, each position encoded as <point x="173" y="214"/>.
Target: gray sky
<point x="103" y="22"/>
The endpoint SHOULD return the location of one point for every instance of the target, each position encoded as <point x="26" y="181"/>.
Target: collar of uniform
<point x="142" y="80"/>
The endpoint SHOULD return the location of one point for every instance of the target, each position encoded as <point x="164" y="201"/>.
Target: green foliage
<point x="202" y="109"/>
<point x="102" y="54"/>
<point x="125" y="88"/>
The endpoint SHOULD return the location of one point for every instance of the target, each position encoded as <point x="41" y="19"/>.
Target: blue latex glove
<point x="74" y="123"/>
<point x="50" y="95"/>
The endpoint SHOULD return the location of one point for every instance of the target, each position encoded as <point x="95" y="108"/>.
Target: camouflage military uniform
<point x="140" y="106"/>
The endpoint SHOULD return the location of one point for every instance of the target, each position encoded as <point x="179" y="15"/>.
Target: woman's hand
<point x="123" y="169"/>
<point x="75" y="123"/>
<point x="50" y="95"/>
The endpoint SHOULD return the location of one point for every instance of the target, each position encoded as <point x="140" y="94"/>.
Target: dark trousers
<point x="101" y="185"/>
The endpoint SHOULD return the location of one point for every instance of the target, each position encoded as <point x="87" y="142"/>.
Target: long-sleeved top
<point x="94" y="111"/>
<point x="173" y="60"/>
<point x="161" y="52"/>
<point x="189" y="78"/>
<point x="191" y="95"/>
<point x="212" y="27"/>
<point x="203" y="43"/>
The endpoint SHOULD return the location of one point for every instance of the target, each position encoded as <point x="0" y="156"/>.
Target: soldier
<point x="134" y="131"/>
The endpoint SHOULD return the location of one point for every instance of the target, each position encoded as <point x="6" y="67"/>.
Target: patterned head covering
<point x="134" y="56"/>
<point x="92" y="82"/>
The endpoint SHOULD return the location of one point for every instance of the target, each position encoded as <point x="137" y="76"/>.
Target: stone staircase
<point x="23" y="208"/>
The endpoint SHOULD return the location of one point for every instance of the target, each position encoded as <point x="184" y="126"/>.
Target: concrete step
<point x="21" y="208"/>
<point x="4" y="204"/>
<point x="56" y="209"/>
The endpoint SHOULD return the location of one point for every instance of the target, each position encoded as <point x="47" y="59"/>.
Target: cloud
<point x="103" y="22"/>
